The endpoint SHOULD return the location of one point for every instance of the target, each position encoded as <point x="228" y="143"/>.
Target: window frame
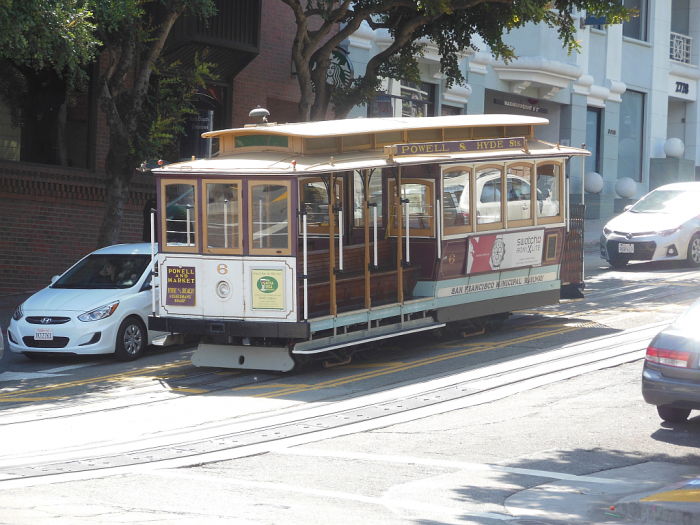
<point x="322" y="230"/>
<point x="491" y="225"/>
<point x="393" y="226"/>
<point x="533" y="196"/>
<point x="205" y="217"/>
<point x="467" y="228"/>
<point x="269" y="251"/>
<point x="164" y="220"/>
<point x="562" y="203"/>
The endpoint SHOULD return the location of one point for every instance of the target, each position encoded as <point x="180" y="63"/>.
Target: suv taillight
<point x="668" y="357"/>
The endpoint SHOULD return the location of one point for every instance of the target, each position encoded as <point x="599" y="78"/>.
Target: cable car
<point x="313" y="241"/>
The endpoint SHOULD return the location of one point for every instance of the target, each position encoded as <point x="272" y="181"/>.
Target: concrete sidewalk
<point x="639" y="493"/>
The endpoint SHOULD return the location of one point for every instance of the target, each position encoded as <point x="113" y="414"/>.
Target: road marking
<point x="462" y="465"/>
<point x="52" y="372"/>
<point x="123" y="376"/>
<point x="390" y="503"/>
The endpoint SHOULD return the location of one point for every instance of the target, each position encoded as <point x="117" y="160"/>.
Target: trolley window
<point x="314" y="197"/>
<point x="180" y="225"/>
<point x="549" y="193"/>
<point x="222" y="230"/>
<point x="456" y="201"/>
<point x="375" y="196"/>
<point x="489" y="198"/>
<point x="420" y="196"/>
<point x="269" y="218"/>
<point x="519" y="196"/>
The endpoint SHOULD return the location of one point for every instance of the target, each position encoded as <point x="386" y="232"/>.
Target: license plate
<point x="43" y="334"/>
<point x="625" y="248"/>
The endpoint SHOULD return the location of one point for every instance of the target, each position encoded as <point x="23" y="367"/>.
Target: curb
<point x="658" y="513"/>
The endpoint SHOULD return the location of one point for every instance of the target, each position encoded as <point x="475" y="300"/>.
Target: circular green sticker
<point x="267" y="284"/>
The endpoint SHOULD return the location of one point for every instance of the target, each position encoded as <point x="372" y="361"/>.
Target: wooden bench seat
<point x="350" y="285"/>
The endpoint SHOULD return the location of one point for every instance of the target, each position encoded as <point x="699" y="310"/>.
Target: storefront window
<point x="180" y="214"/>
<point x="630" y="143"/>
<point x="222" y="228"/>
<point x="417" y="101"/>
<point x="269" y="216"/>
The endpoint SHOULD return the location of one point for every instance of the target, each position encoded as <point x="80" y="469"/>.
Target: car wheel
<point x="618" y="262"/>
<point x="132" y="339"/>
<point x="673" y="414"/>
<point x="694" y="251"/>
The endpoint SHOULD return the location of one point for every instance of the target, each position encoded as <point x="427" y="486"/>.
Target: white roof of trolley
<point x="379" y="125"/>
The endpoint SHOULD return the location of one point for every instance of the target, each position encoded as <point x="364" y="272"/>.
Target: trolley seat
<point x="350" y="285"/>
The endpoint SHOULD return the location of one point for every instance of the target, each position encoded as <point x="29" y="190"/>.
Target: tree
<point x="450" y="24"/>
<point x="144" y="112"/>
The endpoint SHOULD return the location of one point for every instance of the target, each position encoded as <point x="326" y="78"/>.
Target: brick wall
<point x="269" y="76"/>
<point x="51" y="217"/>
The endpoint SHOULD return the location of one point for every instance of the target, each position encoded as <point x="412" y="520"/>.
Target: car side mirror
<point x="54" y="278"/>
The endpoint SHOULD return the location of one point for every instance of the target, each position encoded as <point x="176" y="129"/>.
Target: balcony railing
<point x="681" y="46"/>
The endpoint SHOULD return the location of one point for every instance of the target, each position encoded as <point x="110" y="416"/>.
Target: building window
<point x="380" y="107"/>
<point x="417" y="101"/>
<point x="593" y="119"/>
<point x="42" y="122"/>
<point x="209" y="106"/>
<point x="630" y="143"/>
<point x="447" y="111"/>
<point x="636" y="26"/>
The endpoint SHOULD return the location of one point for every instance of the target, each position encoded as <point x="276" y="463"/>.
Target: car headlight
<point x="607" y="231"/>
<point x="19" y="313"/>
<point x="99" y="313"/>
<point x="666" y="233"/>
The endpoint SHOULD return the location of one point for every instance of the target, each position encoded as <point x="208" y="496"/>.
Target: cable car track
<point x="286" y="428"/>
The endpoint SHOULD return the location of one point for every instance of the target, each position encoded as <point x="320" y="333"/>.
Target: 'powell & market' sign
<point x="457" y="146"/>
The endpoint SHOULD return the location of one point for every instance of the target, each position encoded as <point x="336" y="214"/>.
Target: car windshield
<point x="104" y="271"/>
<point x="667" y="201"/>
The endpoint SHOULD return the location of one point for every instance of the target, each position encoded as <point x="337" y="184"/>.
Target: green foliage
<point x="450" y="24"/>
<point x="168" y="103"/>
<point x="49" y="34"/>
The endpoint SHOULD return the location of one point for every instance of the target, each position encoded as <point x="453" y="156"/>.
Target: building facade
<point x="631" y="88"/>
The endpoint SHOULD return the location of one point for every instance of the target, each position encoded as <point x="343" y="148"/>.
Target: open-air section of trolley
<point x="310" y="241"/>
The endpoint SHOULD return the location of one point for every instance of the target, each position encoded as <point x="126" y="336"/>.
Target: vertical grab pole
<point x="340" y="239"/>
<point x="189" y="207"/>
<point x="438" y="225"/>
<point x="399" y="240"/>
<point x="408" y="233"/>
<point x="153" y="259"/>
<point x="583" y="175"/>
<point x="225" y="223"/>
<point x="260" y="231"/>
<point x="374" y="208"/>
<point x="306" y="280"/>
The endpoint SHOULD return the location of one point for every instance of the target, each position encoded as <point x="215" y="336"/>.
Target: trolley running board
<point x="325" y="344"/>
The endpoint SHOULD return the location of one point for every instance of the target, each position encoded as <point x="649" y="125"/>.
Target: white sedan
<point x="662" y="225"/>
<point x="99" y="306"/>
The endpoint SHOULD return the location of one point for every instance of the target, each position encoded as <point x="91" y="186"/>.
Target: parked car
<point x="662" y="225"/>
<point x="671" y="376"/>
<point x="99" y="306"/>
<point x="488" y="187"/>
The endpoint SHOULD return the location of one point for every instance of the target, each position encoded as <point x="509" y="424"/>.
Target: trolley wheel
<point x="496" y="322"/>
<point x="694" y="251"/>
<point x="452" y="330"/>
<point x="673" y="414"/>
<point x="132" y="339"/>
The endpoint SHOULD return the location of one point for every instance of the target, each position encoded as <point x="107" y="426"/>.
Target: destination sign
<point x="458" y="146"/>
